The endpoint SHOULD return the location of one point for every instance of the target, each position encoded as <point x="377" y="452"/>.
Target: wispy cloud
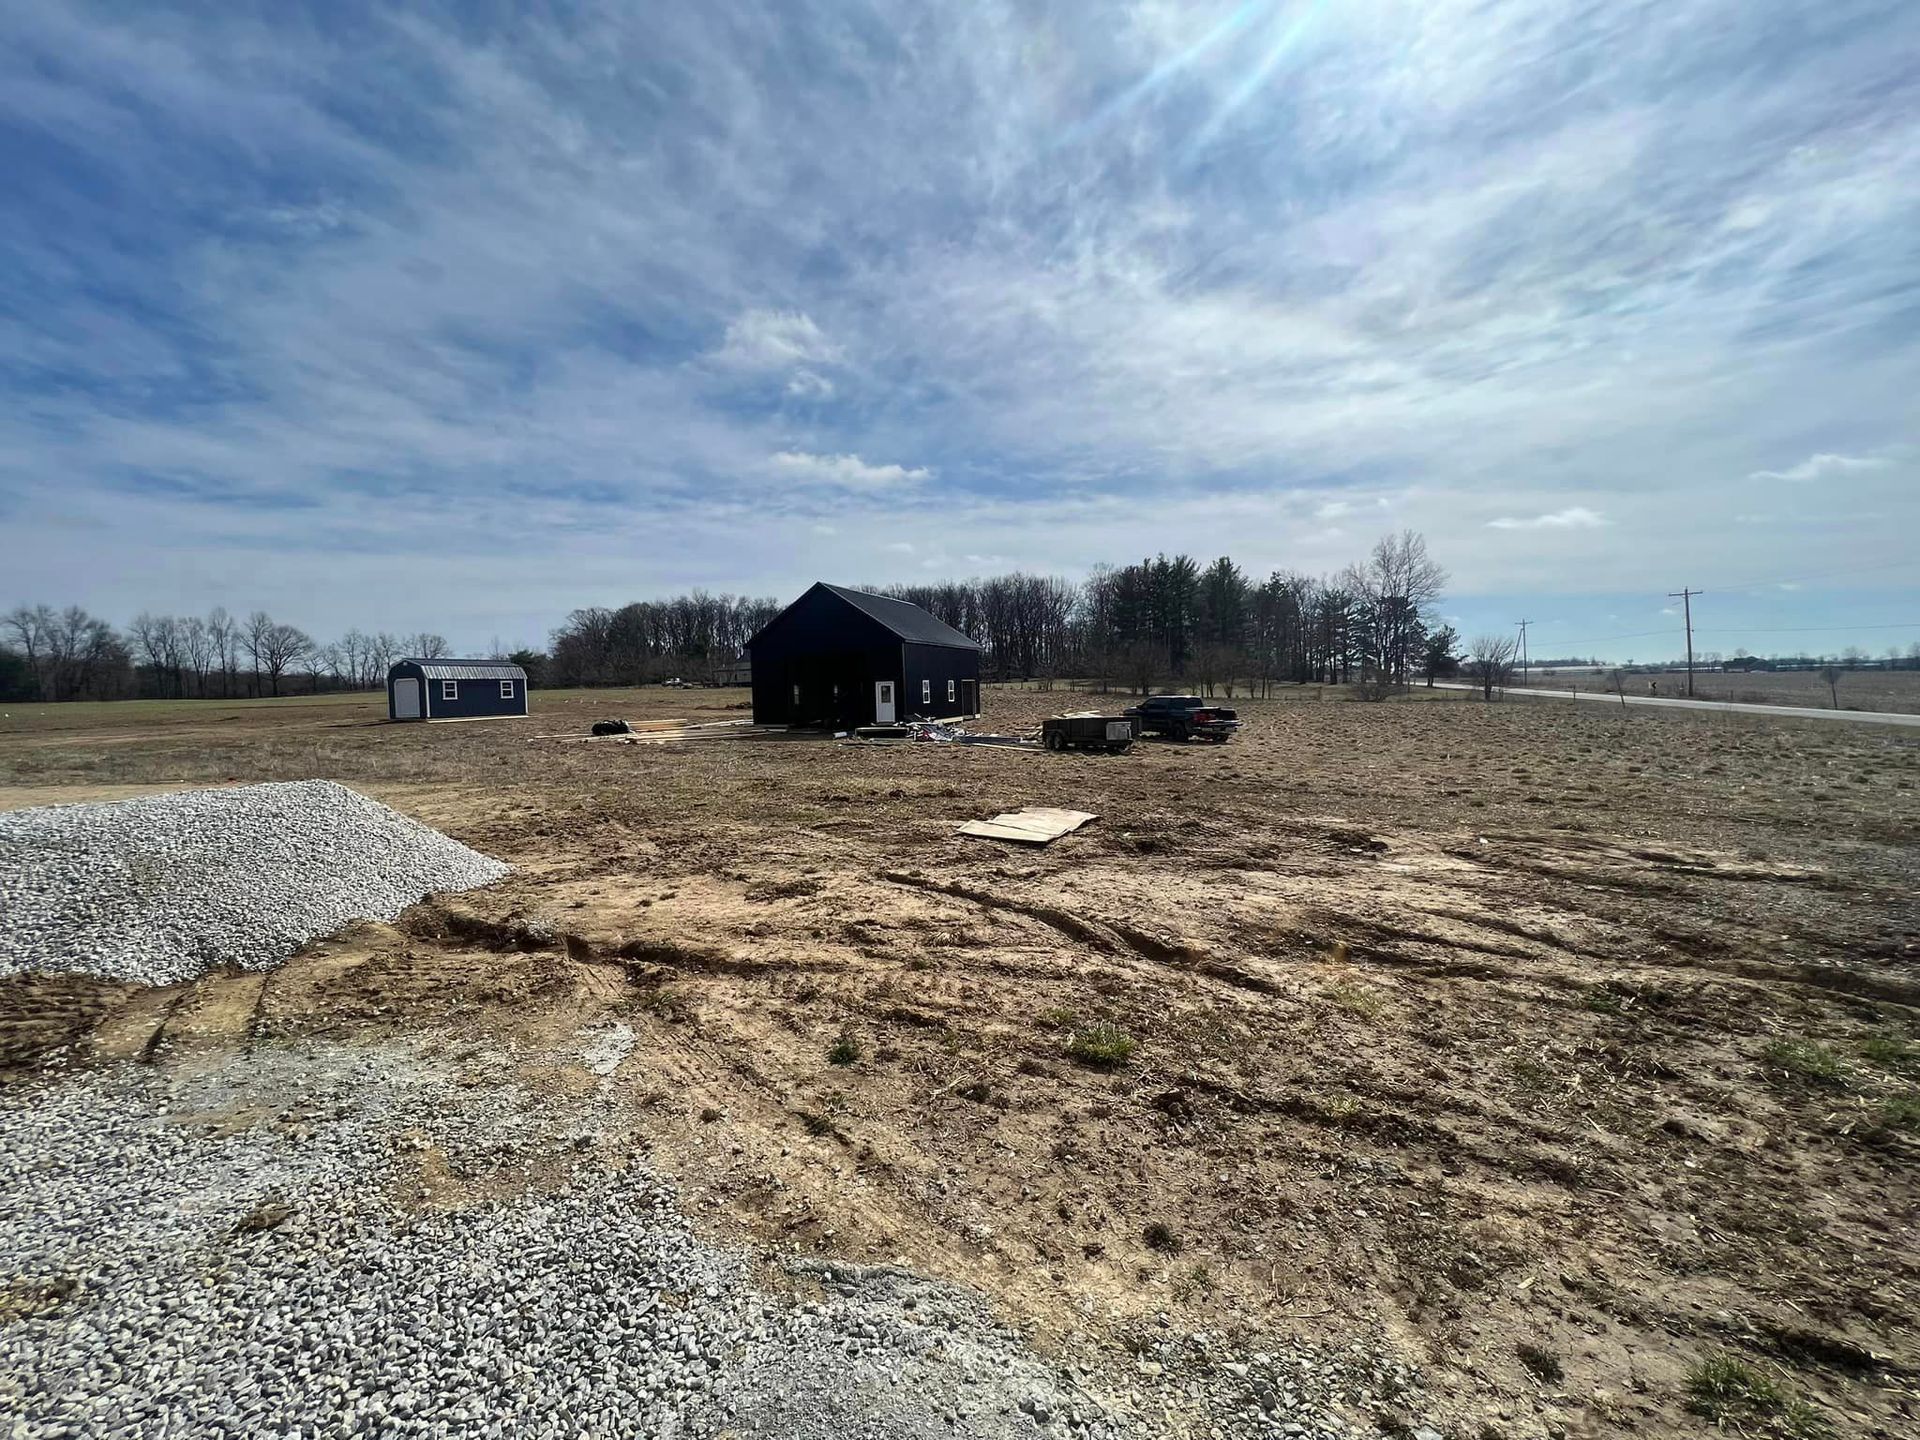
<point x="1335" y="509"/>
<point x="1821" y="467"/>
<point x="282" y="296"/>
<point x="1574" y="517"/>
<point x="806" y="385"/>
<point x="847" y="471"/>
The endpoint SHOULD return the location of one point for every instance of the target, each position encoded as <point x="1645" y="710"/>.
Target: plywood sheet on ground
<point x="1033" y="825"/>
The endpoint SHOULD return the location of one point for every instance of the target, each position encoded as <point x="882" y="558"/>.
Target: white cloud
<point x="806" y="385"/>
<point x="774" y="340"/>
<point x="1632" y="299"/>
<point x="1820" y="467"/>
<point x="1574" y="517"/>
<point x="1335" y="509"/>
<point x="849" y="472"/>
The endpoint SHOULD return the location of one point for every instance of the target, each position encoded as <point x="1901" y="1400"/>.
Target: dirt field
<point x="1897" y="691"/>
<point x="1574" y="1050"/>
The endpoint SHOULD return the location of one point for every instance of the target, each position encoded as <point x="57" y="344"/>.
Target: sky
<point x="455" y="319"/>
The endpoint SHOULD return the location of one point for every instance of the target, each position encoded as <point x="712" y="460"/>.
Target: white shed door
<point x="884" y="708"/>
<point x="406" y="699"/>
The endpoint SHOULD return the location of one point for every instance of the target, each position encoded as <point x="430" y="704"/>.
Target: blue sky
<point x="410" y="317"/>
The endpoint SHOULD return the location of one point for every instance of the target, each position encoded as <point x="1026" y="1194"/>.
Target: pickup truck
<point x="1180" y="716"/>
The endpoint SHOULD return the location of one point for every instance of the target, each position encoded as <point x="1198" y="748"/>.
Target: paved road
<point x="1791" y="712"/>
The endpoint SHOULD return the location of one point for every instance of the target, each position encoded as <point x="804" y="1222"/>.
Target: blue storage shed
<point x="455" y="690"/>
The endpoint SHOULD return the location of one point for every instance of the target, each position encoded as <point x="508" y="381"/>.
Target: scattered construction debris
<point x="1033" y="825"/>
<point x="940" y="732"/>
<point x="662" y="732"/>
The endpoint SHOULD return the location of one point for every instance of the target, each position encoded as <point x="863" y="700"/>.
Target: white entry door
<point x="884" y="707"/>
<point x="406" y="699"/>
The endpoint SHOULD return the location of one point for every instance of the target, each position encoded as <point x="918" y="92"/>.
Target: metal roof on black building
<point x="908" y="621"/>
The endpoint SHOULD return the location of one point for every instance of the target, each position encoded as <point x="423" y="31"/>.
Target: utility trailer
<point x="1090" y="731"/>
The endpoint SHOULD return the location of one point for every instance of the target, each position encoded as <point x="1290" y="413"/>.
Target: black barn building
<point x="455" y="690"/>
<point x="839" y="658"/>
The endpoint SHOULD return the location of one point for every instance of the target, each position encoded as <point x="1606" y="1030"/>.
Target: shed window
<point x="449" y="689"/>
<point x="506" y="689"/>
<point x="949" y="692"/>
<point x="926" y="692"/>
<point x="796" y="697"/>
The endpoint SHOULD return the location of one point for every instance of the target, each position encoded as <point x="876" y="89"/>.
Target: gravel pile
<point x="161" y="1274"/>
<point x="160" y="1281"/>
<point x="162" y="889"/>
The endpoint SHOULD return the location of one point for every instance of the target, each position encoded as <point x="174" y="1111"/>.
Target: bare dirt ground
<point x="1571" y="1049"/>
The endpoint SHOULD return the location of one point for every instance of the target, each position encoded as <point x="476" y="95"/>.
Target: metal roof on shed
<point x="467" y="669"/>
<point x="904" y="619"/>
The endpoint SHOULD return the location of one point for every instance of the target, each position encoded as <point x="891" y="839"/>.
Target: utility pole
<point x="1523" y="651"/>
<point x="1685" y="597"/>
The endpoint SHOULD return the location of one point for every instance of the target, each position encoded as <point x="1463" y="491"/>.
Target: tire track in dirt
<point x="1110" y="937"/>
<point x="1399" y="1130"/>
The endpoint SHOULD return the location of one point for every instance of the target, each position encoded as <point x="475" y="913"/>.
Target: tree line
<point x="1212" y="626"/>
<point x="1161" y="619"/>
<point x="695" y="637"/>
<point x="69" y="654"/>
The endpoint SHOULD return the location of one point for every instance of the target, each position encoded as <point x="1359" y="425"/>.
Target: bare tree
<point x="196" y="649"/>
<point x="159" y="641"/>
<point x="1395" y="590"/>
<point x="287" y="646"/>
<point x="334" y="660"/>
<point x="1492" y="661"/>
<point x="73" y="653"/>
<point x="253" y="636"/>
<point x="427" y="646"/>
<point x="315" y="660"/>
<point x="273" y="647"/>
<point x="1831" y="674"/>
<point x="382" y="651"/>
<point x="33" y="628"/>
<point x="223" y="635"/>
